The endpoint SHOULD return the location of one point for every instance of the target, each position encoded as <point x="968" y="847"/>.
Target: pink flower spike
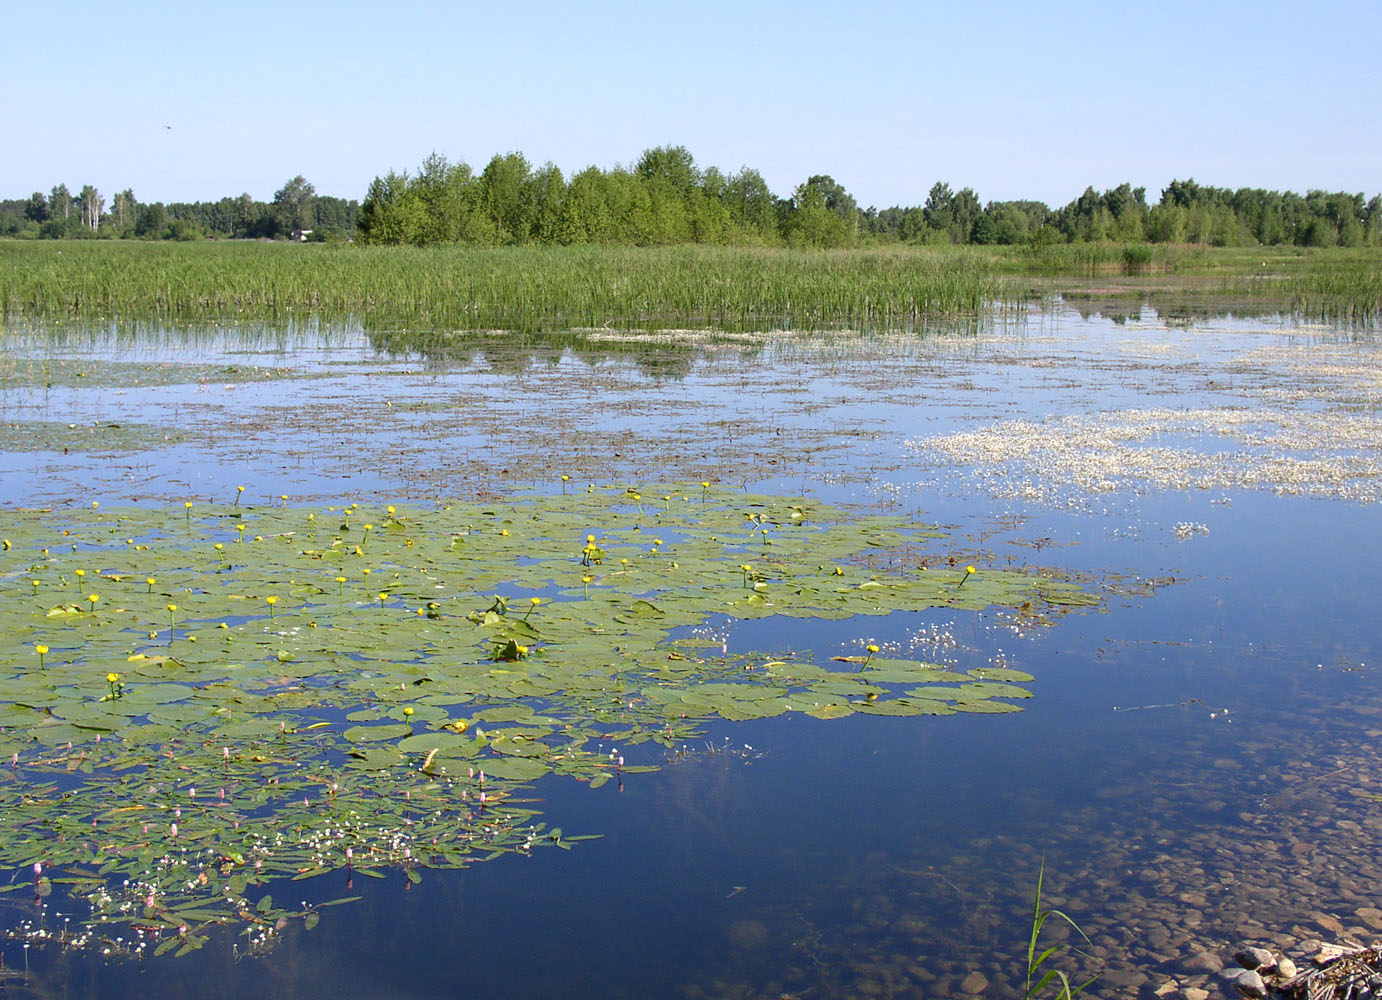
<point x="191" y="793"/>
<point x="350" y="853"/>
<point x="173" y="829"/>
<point x="38" y="868"/>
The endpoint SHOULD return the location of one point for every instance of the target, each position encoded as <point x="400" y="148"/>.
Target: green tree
<point x="547" y="190"/>
<point x="508" y="197"/>
<point x="984" y="230"/>
<point x="60" y="203"/>
<point x="811" y="223"/>
<point x="752" y="206"/>
<point x="584" y="215"/>
<point x="390" y="213"/>
<point x="939" y="208"/>
<point x="91" y="206"/>
<point x="150" y="221"/>
<point x="1166" y="223"/>
<point x="672" y="166"/>
<point x="964" y="209"/>
<point x="293" y="205"/>
<point x="122" y="210"/>
<point x="36" y="209"/>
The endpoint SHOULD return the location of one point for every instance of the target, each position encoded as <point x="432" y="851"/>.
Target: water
<point x="1195" y="767"/>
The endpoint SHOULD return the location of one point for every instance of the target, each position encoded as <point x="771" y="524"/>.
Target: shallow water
<point x="1195" y="766"/>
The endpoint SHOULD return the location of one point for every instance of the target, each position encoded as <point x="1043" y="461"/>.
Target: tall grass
<point x="539" y="289"/>
<point x="519" y="288"/>
<point x="1343" y="285"/>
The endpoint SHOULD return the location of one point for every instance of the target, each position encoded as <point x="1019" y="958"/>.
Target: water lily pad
<point x="274" y="672"/>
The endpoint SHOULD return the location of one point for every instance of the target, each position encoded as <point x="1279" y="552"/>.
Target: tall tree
<point x="673" y="166"/>
<point x="752" y="206"/>
<point x="122" y="209"/>
<point x="92" y="206"/>
<point x="509" y="197"/>
<point x="60" y="203"/>
<point x="36" y="209"/>
<point x="293" y="204"/>
<point x="939" y="208"/>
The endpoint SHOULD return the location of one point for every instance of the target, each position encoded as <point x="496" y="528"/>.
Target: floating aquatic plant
<point x="327" y="723"/>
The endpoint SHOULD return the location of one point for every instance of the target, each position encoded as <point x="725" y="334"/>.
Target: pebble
<point x="1127" y="980"/>
<point x="975" y="982"/>
<point x="1250" y="984"/>
<point x="1285" y="968"/>
<point x="1194" y="993"/>
<point x="1255" y="958"/>
<point x="1327" y="922"/>
<point x="1205" y="961"/>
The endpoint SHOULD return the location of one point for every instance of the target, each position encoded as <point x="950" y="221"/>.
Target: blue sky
<point x="1014" y="100"/>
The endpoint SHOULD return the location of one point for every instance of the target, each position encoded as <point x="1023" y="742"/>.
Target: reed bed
<point x="542" y="289"/>
<point x="516" y="288"/>
<point x="1346" y="285"/>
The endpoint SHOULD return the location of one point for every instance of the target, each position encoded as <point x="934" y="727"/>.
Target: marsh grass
<point x="621" y="289"/>
<point x="525" y="289"/>
<point x="1345" y="285"/>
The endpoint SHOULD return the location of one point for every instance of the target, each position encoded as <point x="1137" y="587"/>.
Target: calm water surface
<point x="1195" y="765"/>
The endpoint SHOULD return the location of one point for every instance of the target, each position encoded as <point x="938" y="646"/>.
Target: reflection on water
<point x="1198" y="767"/>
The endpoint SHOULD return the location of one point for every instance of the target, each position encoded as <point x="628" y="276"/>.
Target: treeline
<point x="666" y="199"/>
<point x="296" y="212"/>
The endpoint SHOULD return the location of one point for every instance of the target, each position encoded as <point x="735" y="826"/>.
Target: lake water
<point x="1197" y="768"/>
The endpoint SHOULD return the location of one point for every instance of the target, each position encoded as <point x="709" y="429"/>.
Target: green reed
<point x="515" y="288"/>
<point x="1336" y="285"/>
<point x="538" y="289"/>
<point x="1040" y="973"/>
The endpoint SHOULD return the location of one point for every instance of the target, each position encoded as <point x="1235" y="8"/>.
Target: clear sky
<point x="184" y="101"/>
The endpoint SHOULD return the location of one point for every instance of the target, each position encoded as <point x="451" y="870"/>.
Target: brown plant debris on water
<point x="1354" y="974"/>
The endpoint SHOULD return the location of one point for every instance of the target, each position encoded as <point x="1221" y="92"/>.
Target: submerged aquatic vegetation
<point x="399" y="723"/>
